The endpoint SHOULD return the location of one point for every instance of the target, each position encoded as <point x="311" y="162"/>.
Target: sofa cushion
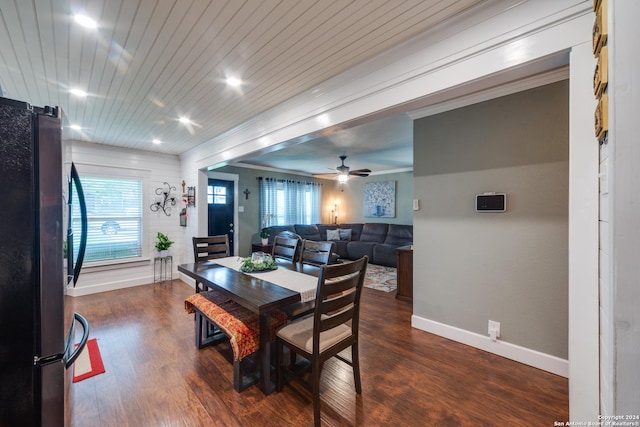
<point x="356" y="230"/>
<point x="341" y="248"/>
<point x="323" y="228"/>
<point x="344" y="233"/>
<point x="374" y="232"/>
<point x="399" y="235"/>
<point x="333" y="234"/>
<point x="308" y="232"/>
<point x="384" y="254"/>
<point x="356" y="250"/>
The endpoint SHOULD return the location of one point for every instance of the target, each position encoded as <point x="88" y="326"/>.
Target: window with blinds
<point x="114" y="211"/>
<point x="284" y="202"/>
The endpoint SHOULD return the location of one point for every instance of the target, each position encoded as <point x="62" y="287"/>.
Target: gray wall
<point x="510" y="267"/>
<point x="351" y="196"/>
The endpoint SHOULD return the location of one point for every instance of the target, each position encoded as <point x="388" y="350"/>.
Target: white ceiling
<point x="150" y="62"/>
<point x="384" y="145"/>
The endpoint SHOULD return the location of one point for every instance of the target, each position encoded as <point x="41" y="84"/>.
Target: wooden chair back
<point x="338" y="298"/>
<point x="315" y="253"/>
<point x="285" y="248"/>
<point x="211" y="247"/>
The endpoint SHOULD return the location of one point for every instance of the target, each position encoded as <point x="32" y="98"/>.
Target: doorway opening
<point x="220" y="209"/>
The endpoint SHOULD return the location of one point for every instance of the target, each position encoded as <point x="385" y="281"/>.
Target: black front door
<point x="221" y="203"/>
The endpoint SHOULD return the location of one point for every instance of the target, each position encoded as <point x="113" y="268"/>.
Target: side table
<point x="162" y="268"/>
<point x="405" y="273"/>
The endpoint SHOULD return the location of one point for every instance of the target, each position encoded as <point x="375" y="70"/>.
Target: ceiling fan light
<point x="342" y="178"/>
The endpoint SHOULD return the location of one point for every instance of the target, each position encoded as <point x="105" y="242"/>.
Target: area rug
<point x="380" y="278"/>
<point x="89" y="362"/>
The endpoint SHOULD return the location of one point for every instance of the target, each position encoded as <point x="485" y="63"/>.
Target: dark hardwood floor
<point x="155" y="376"/>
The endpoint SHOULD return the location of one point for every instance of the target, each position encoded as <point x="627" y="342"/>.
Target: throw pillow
<point x="333" y="235"/>
<point x="345" y="233"/>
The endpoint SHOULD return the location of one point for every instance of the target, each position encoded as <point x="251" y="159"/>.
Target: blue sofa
<point x="378" y="241"/>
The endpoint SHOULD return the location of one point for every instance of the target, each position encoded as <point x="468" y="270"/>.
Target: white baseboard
<point x="112" y="286"/>
<point x="105" y="287"/>
<point x="520" y="354"/>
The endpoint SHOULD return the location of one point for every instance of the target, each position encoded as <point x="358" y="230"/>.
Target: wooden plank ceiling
<point x="150" y="62"/>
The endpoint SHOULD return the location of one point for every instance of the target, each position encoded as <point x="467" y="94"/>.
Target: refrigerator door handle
<point x="74" y="270"/>
<point x="70" y="357"/>
<point x="67" y="358"/>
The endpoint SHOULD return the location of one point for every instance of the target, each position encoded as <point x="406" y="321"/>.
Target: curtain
<point x="284" y="202"/>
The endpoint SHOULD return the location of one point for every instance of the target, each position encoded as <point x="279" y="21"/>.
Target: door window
<point x="216" y="195"/>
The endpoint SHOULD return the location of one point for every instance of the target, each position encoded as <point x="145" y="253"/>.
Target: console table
<point x="405" y="273"/>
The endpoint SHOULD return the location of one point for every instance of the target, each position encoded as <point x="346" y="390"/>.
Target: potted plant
<point x="264" y="235"/>
<point x="163" y="244"/>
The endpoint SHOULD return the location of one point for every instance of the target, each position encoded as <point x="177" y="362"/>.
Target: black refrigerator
<point x="35" y="349"/>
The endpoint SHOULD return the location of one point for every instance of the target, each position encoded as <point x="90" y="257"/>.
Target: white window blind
<point x="114" y="211"/>
<point x="284" y="202"/>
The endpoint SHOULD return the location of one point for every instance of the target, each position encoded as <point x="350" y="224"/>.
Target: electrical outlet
<point x="494" y="326"/>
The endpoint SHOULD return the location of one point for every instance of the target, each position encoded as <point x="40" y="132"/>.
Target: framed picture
<point x="380" y="199"/>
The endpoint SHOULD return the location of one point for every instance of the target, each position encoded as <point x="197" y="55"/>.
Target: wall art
<point x="380" y="199"/>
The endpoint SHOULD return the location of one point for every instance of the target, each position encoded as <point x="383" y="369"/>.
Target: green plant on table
<point x="267" y="263"/>
<point x="265" y="233"/>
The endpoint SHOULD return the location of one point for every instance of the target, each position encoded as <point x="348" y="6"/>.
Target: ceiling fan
<point x="343" y="172"/>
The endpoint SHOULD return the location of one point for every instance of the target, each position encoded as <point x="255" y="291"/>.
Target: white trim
<point x="110" y="286"/>
<point x="542" y="79"/>
<point x="387" y="172"/>
<point x="271" y="169"/>
<point x="534" y="358"/>
<point x="107" y="169"/>
<point x="115" y="264"/>
<point x="584" y="355"/>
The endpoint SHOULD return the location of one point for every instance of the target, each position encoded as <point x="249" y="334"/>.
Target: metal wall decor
<point x="191" y="197"/>
<point x="165" y="200"/>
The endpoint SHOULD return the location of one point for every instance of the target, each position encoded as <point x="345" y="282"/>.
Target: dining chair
<point x="315" y="253"/>
<point x="286" y="249"/>
<point x="207" y="248"/>
<point x="313" y="256"/>
<point x="332" y="328"/>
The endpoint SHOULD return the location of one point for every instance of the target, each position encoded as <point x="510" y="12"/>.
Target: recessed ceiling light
<point x="185" y="120"/>
<point x="233" y="81"/>
<point x="78" y="92"/>
<point x="85" y="21"/>
<point x="75" y="127"/>
<point x="157" y="141"/>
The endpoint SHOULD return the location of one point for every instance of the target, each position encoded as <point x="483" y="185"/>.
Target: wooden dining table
<point x="260" y="292"/>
